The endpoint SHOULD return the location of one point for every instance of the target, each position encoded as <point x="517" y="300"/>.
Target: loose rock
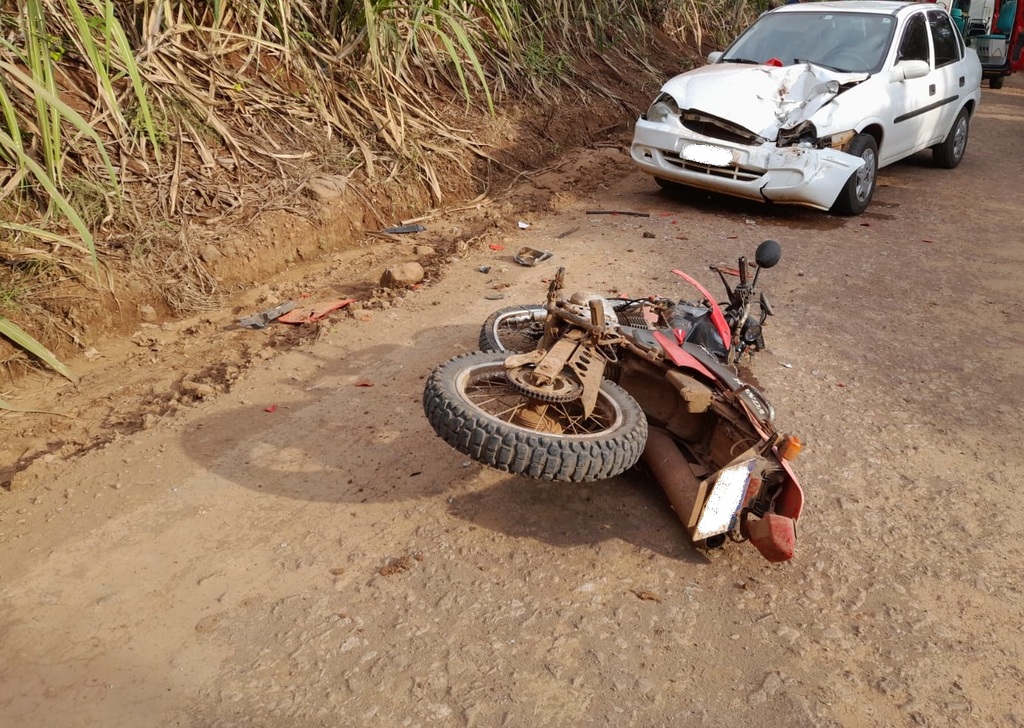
<point x="400" y="276"/>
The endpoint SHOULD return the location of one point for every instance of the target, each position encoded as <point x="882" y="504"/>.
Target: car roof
<point x="877" y="7"/>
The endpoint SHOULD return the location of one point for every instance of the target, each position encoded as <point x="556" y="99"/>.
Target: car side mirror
<point x="906" y="70"/>
<point x="714" y="56"/>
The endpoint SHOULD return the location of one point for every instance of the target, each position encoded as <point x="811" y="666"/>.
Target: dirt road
<point x="333" y="563"/>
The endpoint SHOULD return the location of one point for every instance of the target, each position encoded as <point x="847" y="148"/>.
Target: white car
<point x="811" y="100"/>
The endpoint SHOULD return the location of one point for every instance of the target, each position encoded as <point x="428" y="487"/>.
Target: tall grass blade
<point x="100" y="66"/>
<point x="23" y="339"/>
<point x="11" y="118"/>
<point x="40" y="234"/>
<point x="64" y="111"/>
<point x="41" y="66"/>
<point x="132" y="69"/>
<point x="58" y="199"/>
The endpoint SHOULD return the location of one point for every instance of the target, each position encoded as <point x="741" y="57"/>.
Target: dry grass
<point x="123" y="124"/>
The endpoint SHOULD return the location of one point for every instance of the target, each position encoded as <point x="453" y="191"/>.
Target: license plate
<point x="724" y="501"/>
<point x="707" y="154"/>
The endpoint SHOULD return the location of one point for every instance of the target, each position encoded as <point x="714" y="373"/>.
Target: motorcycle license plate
<point x="707" y="154"/>
<point x="724" y="501"/>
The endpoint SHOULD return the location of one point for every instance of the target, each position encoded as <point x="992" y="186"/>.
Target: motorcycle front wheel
<point x="474" y="407"/>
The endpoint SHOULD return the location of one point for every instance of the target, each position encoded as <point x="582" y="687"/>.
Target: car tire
<point x="996" y="82"/>
<point x="948" y="154"/>
<point x="860" y="188"/>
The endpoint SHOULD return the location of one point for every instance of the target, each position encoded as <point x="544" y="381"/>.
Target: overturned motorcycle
<point x="582" y="388"/>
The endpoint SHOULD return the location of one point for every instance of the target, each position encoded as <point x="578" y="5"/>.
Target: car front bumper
<point x="794" y="175"/>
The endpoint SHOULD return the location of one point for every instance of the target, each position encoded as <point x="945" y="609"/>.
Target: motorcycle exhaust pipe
<point x="673" y="473"/>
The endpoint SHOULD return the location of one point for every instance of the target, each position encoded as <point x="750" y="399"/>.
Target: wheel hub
<point x="536" y="419"/>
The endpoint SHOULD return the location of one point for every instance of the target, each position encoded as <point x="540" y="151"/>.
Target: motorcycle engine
<point x="581" y="302"/>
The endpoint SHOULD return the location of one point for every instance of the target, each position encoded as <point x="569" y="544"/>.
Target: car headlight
<point x="802" y="132"/>
<point x="663" y="109"/>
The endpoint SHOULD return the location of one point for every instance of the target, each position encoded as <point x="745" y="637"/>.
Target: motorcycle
<point x="585" y="387"/>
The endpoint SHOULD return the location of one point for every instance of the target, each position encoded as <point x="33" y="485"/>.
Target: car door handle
<point x="931" y="90"/>
<point x="962" y="81"/>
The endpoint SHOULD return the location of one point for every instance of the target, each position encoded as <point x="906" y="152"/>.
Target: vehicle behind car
<point x="995" y="30"/>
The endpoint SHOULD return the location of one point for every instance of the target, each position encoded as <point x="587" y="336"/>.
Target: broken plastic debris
<point x="523" y="225"/>
<point x="363" y="382"/>
<point x="314" y="311"/>
<point x="261" y="319"/>
<point x="271" y="408"/>
<point x="788" y="366"/>
<point x="496" y="246"/>
<point x="494" y="296"/>
<point x="531" y="257"/>
<point x="402" y="229"/>
<point x="484" y="269"/>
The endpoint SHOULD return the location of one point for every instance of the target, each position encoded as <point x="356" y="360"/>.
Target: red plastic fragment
<point x="314" y="311"/>
<point x="774" y="536"/>
<point x="271" y="408"/>
<point x="496" y="246"/>
<point x="363" y="382"/>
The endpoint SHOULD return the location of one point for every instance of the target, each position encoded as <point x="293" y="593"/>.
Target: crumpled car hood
<point x="762" y="99"/>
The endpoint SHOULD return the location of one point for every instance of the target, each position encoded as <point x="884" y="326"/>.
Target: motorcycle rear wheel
<point x="472" y="405"/>
<point x="513" y="329"/>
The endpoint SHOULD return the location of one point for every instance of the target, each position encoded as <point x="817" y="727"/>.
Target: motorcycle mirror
<point x="768" y="254"/>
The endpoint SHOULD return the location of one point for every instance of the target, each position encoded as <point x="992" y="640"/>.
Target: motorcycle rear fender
<point x="790" y="502"/>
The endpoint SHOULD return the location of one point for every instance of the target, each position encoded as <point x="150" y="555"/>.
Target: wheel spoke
<point x="492" y="393"/>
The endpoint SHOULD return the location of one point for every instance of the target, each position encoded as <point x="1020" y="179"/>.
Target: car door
<point x="950" y="75"/>
<point x="916" y="103"/>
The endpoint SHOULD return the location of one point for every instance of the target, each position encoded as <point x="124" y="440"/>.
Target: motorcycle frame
<point x="570" y="336"/>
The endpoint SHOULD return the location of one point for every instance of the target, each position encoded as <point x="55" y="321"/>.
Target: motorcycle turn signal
<point x="790" y="447"/>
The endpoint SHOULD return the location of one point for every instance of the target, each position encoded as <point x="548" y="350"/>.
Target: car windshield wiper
<point x="740" y="60"/>
<point x="823" y="65"/>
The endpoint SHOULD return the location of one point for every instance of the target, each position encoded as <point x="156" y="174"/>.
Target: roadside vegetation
<point x="123" y="123"/>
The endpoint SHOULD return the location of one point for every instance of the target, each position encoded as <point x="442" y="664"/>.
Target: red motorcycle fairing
<point x="717" y="317"/>
<point x="681" y="357"/>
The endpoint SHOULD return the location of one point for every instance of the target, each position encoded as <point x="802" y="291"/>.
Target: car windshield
<point x="854" y="42"/>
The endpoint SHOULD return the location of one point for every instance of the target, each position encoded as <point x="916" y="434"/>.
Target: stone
<point x="210" y="253"/>
<point x="402" y="275"/>
<point x="327" y="187"/>
<point x="147" y="313"/>
<point x="423" y="250"/>
<point x="199" y="390"/>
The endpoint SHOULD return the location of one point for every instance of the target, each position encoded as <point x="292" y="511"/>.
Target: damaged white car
<point x="808" y="103"/>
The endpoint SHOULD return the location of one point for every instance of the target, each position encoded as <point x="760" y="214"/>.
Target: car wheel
<point x="996" y="82"/>
<point x="951" y="151"/>
<point x="860" y="188"/>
